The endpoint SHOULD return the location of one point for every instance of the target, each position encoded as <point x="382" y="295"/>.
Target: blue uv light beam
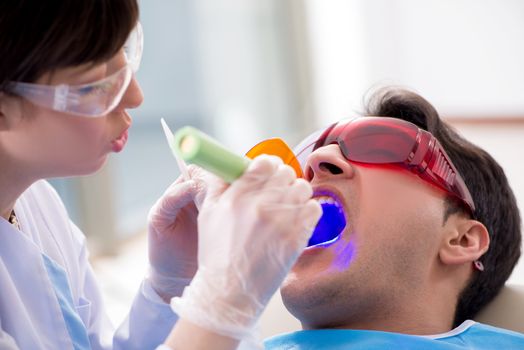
<point x="330" y="225"/>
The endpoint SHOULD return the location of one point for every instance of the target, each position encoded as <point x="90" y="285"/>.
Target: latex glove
<point x="172" y="234"/>
<point x="250" y="234"/>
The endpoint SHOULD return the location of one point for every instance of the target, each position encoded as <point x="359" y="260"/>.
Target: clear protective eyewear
<point x="92" y="99"/>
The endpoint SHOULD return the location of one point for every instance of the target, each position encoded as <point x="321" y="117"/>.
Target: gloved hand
<point x="250" y="234"/>
<point x="172" y="234"/>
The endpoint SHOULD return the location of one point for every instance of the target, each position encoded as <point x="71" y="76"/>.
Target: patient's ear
<point x="465" y="241"/>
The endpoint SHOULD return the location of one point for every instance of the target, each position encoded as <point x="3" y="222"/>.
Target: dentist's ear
<point x="3" y="121"/>
<point x="464" y="242"/>
<point x="9" y="111"/>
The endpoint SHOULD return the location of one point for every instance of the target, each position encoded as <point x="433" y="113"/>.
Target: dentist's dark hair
<point x="37" y="37"/>
<point x="496" y="206"/>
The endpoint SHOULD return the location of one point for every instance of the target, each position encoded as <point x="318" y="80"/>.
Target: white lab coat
<point x="30" y="316"/>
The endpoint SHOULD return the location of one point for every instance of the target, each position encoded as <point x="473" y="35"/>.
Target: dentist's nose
<point x="133" y="97"/>
<point x="327" y="161"/>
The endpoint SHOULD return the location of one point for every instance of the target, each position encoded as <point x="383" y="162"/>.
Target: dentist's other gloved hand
<point x="250" y="234"/>
<point x="172" y="234"/>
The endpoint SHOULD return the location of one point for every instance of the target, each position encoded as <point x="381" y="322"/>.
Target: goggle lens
<point x="134" y="47"/>
<point x="372" y="142"/>
<point x="102" y="97"/>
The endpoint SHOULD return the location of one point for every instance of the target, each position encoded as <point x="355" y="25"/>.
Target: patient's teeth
<point x="327" y="199"/>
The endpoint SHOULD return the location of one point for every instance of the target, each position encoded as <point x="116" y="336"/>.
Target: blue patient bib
<point x="469" y="336"/>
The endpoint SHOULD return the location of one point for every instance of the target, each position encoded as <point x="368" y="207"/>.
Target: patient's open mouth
<point x="331" y="223"/>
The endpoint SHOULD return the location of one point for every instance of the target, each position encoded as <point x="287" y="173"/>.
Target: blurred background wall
<point x="243" y="70"/>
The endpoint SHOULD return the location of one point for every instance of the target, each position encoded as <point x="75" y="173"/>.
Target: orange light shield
<point x="277" y="147"/>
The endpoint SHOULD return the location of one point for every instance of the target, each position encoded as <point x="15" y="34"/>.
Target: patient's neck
<point x="422" y="313"/>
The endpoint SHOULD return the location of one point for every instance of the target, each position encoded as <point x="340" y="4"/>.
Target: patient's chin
<point x="292" y="299"/>
<point x="303" y="298"/>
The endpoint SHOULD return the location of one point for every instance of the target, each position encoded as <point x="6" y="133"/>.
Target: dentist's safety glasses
<point x="93" y="99"/>
<point x="383" y="140"/>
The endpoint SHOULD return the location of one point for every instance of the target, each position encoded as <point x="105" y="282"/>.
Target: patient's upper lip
<point x="329" y="192"/>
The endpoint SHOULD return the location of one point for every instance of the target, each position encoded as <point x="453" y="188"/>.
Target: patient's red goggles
<point x="382" y="140"/>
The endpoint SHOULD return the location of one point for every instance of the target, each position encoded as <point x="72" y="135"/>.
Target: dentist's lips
<point x="331" y="223"/>
<point x="120" y="142"/>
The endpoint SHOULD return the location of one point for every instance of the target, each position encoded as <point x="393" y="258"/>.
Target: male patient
<point x="420" y="254"/>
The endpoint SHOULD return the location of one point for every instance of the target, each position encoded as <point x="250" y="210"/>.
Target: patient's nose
<point x="327" y="161"/>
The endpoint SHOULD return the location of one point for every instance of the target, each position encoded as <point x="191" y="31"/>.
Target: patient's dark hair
<point x="495" y="202"/>
<point x="37" y="37"/>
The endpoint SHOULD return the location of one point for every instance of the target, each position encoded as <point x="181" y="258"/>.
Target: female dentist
<point x="66" y="83"/>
